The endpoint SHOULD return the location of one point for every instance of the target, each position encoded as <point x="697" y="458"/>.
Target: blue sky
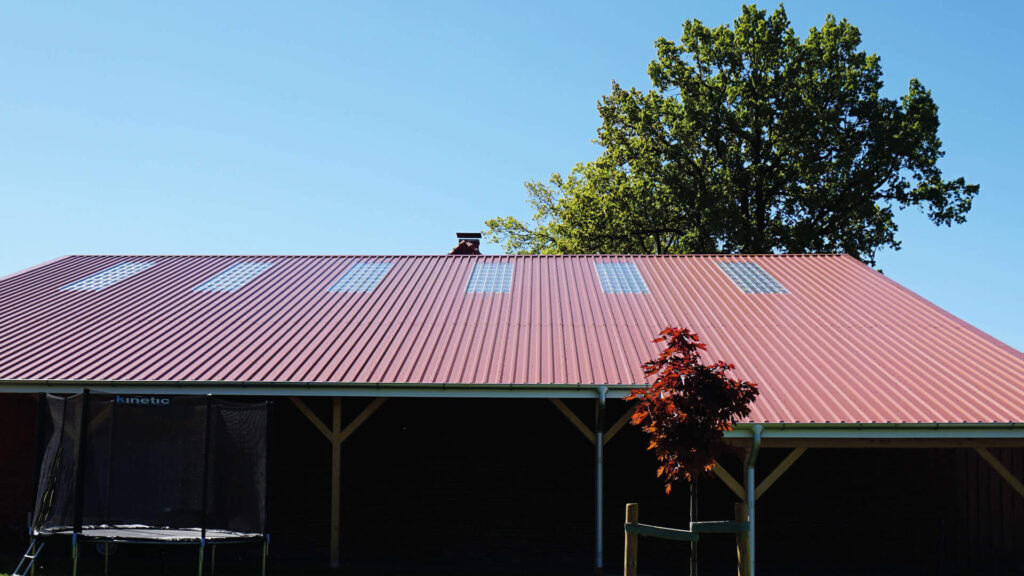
<point x="360" y="128"/>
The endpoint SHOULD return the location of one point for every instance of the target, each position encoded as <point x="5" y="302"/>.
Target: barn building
<point x="465" y="413"/>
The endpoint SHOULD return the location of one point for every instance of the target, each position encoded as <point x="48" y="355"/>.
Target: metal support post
<point x="599" y="482"/>
<point x="751" y="488"/>
<point x="335" y="482"/>
<point x="74" y="554"/>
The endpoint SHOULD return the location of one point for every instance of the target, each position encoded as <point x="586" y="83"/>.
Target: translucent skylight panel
<point x="110" y="276"/>
<point x="490" y="277"/>
<point x="362" y="277"/>
<point x="234" y="278"/>
<point x="620" y="278"/>
<point x="751" y="278"/>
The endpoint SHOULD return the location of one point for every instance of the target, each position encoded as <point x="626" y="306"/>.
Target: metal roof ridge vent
<point x="751" y="278"/>
<point x="233" y="278"/>
<point x="362" y="277"/>
<point x="469" y="244"/>
<point x="109" y="277"/>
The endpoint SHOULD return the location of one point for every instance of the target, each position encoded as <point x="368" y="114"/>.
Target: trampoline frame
<point x="78" y="532"/>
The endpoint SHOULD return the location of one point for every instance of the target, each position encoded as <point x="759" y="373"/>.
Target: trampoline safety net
<point x="171" y="468"/>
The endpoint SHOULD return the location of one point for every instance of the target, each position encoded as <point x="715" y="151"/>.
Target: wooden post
<point x="336" y="436"/>
<point x="740" y="509"/>
<point x="629" y="563"/>
<point x="336" y="483"/>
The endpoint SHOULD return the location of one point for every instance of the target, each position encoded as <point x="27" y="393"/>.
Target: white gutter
<point x="890" y="431"/>
<point x="398" y="389"/>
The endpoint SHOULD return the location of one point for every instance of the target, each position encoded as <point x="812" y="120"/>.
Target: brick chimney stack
<point x="469" y="244"/>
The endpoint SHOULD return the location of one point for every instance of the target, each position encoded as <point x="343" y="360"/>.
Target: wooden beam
<point x="778" y="472"/>
<point x="622" y="421"/>
<point x="587" y="432"/>
<point x="1001" y="469"/>
<point x="662" y="532"/>
<point x="720" y="527"/>
<point x="729" y="481"/>
<point x="312" y="417"/>
<point x="335" y="482"/>
<point x="354" y="424"/>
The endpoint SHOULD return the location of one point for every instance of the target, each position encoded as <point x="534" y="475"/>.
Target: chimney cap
<point x="469" y="236"/>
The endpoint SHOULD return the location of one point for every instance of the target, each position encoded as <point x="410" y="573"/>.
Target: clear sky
<point x="385" y="127"/>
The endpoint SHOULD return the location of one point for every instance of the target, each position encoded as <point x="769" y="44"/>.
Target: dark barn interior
<point x="506" y="486"/>
<point x="499" y="486"/>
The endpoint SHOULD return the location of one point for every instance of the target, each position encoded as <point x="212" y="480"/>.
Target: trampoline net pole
<point x="74" y="554"/>
<point x="79" y="494"/>
<point x="206" y="474"/>
<point x="42" y="413"/>
<point x="266" y="467"/>
<point x="110" y="463"/>
<point x="202" y="549"/>
<point x="266" y="552"/>
<point x="268" y="406"/>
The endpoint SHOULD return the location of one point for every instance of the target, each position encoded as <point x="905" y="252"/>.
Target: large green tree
<point x="753" y="141"/>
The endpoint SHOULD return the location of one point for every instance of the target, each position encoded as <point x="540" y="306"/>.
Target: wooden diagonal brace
<point x="1001" y="469"/>
<point x="339" y="435"/>
<point x="729" y="481"/>
<point x="765" y="484"/>
<point x="358" y="421"/>
<point x="587" y="432"/>
<point x="778" y="472"/>
<point x="312" y="417"/>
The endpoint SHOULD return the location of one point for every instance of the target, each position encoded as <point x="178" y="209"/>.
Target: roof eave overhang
<point x="350" y="389"/>
<point x="830" y="435"/>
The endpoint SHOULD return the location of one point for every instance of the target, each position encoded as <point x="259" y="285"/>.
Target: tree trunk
<point x="693" y="518"/>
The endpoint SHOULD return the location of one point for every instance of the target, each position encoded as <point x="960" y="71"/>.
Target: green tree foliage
<point x="753" y="141"/>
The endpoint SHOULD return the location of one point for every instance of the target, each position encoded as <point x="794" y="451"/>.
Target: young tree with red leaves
<point x="687" y="410"/>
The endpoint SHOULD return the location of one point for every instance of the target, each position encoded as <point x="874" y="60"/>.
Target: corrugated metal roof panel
<point x="844" y="345"/>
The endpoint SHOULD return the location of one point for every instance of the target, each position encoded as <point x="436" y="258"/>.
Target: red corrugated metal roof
<point x="846" y="344"/>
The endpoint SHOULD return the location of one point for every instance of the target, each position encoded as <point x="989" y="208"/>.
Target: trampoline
<point x="152" y="469"/>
